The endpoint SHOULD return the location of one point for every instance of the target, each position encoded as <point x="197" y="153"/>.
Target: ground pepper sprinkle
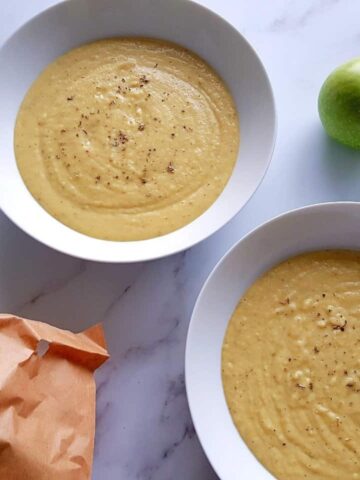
<point x="170" y="168"/>
<point x="123" y="137"/>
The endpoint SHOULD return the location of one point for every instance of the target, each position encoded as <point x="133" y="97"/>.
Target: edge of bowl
<point x="139" y="256"/>
<point x="202" y="290"/>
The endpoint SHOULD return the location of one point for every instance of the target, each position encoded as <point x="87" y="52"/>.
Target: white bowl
<point x="329" y="225"/>
<point x="74" y="22"/>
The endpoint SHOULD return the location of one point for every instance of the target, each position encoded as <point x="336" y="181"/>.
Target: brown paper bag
<point x="47" y="400"/>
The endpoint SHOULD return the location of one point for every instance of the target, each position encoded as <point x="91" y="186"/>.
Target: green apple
<point x="339" y="104"/>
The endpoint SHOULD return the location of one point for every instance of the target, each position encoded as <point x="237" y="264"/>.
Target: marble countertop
<point x="144" y="430"/>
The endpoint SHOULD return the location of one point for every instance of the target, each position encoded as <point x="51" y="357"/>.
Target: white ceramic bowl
<point x="329" y="225"/>
<point x="74" y="22"/>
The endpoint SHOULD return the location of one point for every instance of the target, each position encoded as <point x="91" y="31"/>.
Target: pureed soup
<point x="127" y="138"/>
<point x="291" y="367"/>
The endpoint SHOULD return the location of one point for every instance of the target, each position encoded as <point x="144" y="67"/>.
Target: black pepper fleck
<point x="143" y="80"/>
<point x="123" y="137"/>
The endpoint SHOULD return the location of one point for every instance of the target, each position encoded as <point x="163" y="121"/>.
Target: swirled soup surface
<point x="127" y="138"/>
<point x="291" y="367"/>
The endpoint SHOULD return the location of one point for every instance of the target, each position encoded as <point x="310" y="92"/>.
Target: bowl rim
<point x="188" y="366"/>
<point x="141" y="256"/>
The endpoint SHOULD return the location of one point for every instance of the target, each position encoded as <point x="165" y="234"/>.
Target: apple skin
<point x="339" y="104"/>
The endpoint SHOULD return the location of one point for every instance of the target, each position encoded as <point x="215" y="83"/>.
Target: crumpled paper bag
<point x="47" y="400"/>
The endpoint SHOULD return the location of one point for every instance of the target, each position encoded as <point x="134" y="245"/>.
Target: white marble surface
<point x="144" y="430"/>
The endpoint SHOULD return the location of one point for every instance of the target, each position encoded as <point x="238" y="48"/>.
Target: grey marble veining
<point x="144" y="429"/>
<point x="296" y="18"/>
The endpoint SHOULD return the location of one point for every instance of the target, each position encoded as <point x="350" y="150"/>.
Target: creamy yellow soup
<point x="291" y="367"/>
<point x="127" y="138"/>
